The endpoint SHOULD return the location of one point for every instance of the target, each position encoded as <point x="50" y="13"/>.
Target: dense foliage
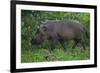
<point x="30" y="20"/>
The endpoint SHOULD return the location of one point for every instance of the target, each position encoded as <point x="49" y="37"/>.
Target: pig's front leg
<point x="53" y="43"/>
<point x="62" y="43"/>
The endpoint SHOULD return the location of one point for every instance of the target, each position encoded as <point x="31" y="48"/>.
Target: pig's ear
<point x="44" y="28"/>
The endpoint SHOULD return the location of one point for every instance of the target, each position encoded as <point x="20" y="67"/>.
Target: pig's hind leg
<point x="75" y="44"/>
<point x="78" y="41"/>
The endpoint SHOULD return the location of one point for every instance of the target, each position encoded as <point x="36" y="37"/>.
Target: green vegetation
<point x="30" y="20"/>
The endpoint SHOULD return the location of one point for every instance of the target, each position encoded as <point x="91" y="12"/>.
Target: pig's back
<point x="62" y="25"/>
<point x="66" y="29"/>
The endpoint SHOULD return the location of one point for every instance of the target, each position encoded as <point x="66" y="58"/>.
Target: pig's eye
<point x="44" y="28"/>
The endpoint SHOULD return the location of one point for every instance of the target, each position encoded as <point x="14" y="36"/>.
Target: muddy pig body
<point x="60" y="30"/>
